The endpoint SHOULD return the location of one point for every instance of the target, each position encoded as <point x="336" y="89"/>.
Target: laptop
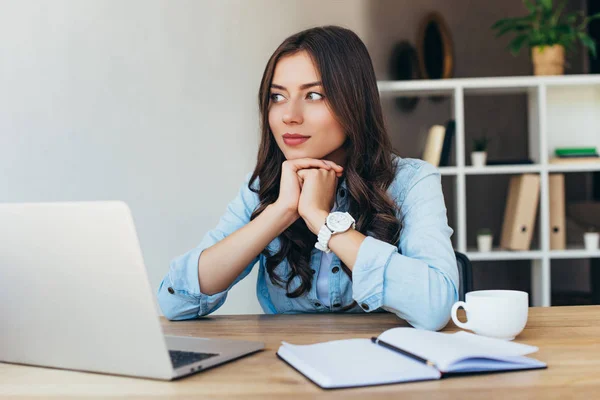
<point x="74" y="294"/>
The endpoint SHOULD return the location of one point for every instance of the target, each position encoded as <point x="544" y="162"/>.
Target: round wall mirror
<point x="404" y="65"/>
<point x="435" y="48"/>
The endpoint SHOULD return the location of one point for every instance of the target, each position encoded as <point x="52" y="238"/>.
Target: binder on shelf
<point x="519" y="214"/>
<point x="434" y="144"/>
<point x="558" y="238"/>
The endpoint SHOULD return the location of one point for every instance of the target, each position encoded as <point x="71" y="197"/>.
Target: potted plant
<point x="484" y="240"/>
<point x="548" y="33"/>
<point x="591" y="239"/>
<point x="479" y="153"/>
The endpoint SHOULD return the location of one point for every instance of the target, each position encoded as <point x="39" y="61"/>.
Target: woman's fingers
<point x="305" y="163"/>
<point x="303" y="173"/>
<point x="337" y="168"/>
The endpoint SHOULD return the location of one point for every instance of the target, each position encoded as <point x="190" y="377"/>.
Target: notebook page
<point x="353" y="362"/>
<point x="447" y="348"/>
<point x="497" y="364"/>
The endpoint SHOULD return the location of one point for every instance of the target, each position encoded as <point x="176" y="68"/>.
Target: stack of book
<point x="568" y="155"/>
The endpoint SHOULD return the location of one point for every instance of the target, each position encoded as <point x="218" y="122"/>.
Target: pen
<point x="404" y="352"/>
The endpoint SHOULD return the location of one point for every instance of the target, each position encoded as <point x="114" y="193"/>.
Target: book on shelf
<point x="434" y="144"/>
<point x="405" y="355"/>
<point x="447" y="146"/>
<point x="574" y="151"/>
<point x="574" y="160"/>
<point x="520" y="212"/>
<point x="558" y="239"/>
<point x="580" y="155"/>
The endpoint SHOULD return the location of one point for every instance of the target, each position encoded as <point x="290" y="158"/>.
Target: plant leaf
<point x="588" y="42"/>
<point x="559" y="10"/>
<point x="532" y="9"/>
<point x="546" y="4"/>
<point x="516" y="44"/>
<point x="589" y="19"/>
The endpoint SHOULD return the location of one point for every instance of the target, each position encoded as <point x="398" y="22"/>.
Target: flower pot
<point x="548" y="60"/>
<point x="478" y="158"/>
<point x="591" y="240"/>
<point x="484" y="243"/>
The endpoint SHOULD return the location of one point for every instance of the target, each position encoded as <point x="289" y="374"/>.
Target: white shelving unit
<point x="563" y="111"/>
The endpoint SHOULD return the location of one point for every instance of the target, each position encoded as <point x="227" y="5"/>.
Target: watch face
<point x="339" y="221"/>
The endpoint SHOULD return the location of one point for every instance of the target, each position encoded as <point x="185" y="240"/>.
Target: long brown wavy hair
<point x="351" y="93"/>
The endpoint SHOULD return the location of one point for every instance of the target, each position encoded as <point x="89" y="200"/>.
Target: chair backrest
<point x="465" y="275"/>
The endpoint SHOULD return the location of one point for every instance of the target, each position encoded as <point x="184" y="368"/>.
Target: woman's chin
<point x="295" y="155"/>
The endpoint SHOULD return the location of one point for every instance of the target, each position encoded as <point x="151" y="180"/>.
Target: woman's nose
<point x="293" y="113"/>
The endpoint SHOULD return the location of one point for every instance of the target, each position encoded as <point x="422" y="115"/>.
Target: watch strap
<point x="325" y="234"/>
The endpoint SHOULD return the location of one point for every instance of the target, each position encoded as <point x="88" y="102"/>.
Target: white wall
<point x="151" y="102"/>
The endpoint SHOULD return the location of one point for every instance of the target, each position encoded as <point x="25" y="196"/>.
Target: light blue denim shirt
<point x="418" y="280"/>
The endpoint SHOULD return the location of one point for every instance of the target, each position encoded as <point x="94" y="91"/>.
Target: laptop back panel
<point x="74" y="292"/>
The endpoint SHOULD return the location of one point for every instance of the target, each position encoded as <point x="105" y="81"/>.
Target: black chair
<point x="465" y="275"/>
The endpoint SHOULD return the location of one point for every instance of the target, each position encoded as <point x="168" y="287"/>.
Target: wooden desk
<point x="568" y="338"/>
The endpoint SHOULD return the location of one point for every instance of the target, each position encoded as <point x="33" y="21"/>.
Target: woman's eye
<point x="311" y="95"/>
<point x="274" y="97"/>
<point x="320" y="96"/>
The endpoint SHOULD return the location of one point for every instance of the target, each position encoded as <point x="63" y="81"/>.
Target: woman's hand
<point x="291" y="183"/>
<point x="317" y="196"/>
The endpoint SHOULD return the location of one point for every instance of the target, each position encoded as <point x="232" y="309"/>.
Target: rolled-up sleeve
<point x="179" y="294"/>
<point x="418" y="280"/>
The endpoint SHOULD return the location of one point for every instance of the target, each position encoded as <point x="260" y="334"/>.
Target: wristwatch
<point x="336" y="222"/>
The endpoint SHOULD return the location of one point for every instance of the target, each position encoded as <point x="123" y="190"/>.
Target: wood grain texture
<point x="568" y="338"/>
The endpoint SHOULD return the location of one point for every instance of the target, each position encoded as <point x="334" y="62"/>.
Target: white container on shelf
<point x="591" y="240"/>
<point x="478" y="158"/>
<point x="484" y="243"/>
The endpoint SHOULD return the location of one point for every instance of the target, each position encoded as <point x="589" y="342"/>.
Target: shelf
<point x="503" y="169"/>
<point x="418" y="87"/>
<point x="574" y="253"/>
<point x="574" y="167"/>
<point x="448" y="170"/>
<point x="519" y="169"/>
<point x="500" y="254"/>
<point x="491" y="85"/>
<point x="562" y="111"/>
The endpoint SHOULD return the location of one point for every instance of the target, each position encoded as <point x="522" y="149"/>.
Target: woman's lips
<point x="295" y="141"/>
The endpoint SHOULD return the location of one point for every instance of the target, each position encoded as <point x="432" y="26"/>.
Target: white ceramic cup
<point x="500" y="314"/>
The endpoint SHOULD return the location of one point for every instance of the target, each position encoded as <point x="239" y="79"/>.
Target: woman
<point x="325" y="156"/>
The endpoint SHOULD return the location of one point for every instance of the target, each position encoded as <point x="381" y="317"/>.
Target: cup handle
<point x="455" y="307"/>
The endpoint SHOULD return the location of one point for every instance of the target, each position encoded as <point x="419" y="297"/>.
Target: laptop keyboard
<point x="181" y="358"/>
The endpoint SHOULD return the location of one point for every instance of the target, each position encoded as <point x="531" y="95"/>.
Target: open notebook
<point x="361" y="362"/>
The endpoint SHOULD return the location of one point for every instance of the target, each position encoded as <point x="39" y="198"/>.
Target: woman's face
<point x="298" y="107"/>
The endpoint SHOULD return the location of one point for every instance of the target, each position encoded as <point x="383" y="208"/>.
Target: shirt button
<point x="365" y="306"/>
<point x="317" y="304"/>
<point x="343" y="192"/>
<point x="170" y="290"/>
<point x="335" y="270"/>
<point x="336" y="305"/>
<point x="312" y="271"/>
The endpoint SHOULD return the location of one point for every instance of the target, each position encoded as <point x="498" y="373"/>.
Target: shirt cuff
<point x="368" y="272"/>
<point x="183" y="276"/>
